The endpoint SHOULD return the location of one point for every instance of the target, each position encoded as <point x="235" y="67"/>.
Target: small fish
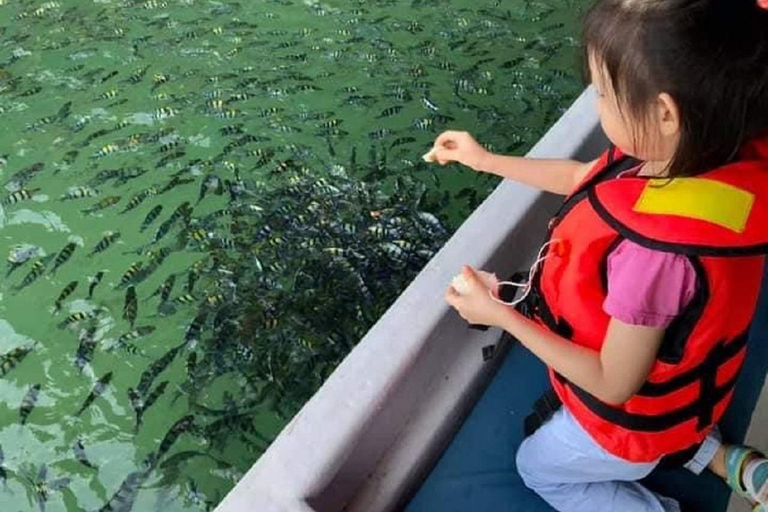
<point x="137" y="333"/>
<point x="402" y="140"/>
<point x="109" y="238"/>
<point x="96" y="392"/>
<point x="390" y="111"/>
<point x="156" y="368"/>
<point x="19" y="255"/>
<point x="129" y="274"/>
<point x="87" y="345"/>
<point x="429" y="104"/>
<point x="130" y="308"/>
<point x="63" y="256"/>
<point x="12" y="359"/>
<point x="80" y="455"/>
<point x="28" y="403"/>
<point x="149" y="401"/>
<point x="164" y="290"/>
<point x="153" y="214"/>
<point x="185" y="424"/>
<point x="74" y="318"/>
<point x="3" y="471"/>
<point x="66" y="292"/>
<point x="211" y="183"/>
<point x="95" y="280"/>
<point x="105" y="203"/>
<point x="19" y="195"/>
<point x="38" y="269"/>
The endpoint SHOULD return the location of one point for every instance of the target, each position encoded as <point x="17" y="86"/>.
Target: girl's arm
<point x="556" y="176"/>
<point x="613" y="375"/>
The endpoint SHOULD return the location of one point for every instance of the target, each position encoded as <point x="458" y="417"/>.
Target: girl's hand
<point x="476" y="306"/>
<point x="459" y="147"/>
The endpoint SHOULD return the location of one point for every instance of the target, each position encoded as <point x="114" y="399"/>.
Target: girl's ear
<point x="669" y="116"/>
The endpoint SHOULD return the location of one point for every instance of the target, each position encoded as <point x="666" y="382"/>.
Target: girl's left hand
<point x="476" y="306"/>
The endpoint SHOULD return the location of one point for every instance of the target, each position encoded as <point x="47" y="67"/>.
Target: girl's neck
<point x="656" y="169"/>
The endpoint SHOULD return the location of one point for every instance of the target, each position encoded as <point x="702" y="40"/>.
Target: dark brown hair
<point x="710" y="56"/>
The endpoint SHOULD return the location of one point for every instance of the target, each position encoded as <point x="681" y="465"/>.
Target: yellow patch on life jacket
<point x="698" y="198"/>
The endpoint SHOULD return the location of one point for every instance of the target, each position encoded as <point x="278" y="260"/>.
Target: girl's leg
<point x="562" y="464"/>
<point x="744" y="469"/>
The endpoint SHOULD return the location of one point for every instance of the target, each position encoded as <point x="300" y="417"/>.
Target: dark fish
<point x="125" y="496"/>
<point x="80" y="455"/>
<point x="149" y="401"/>
<point x="3" y="471"/>
<point x="63" y="256"/>
<point x="66" y="292"/>
<point x="185" y="424"/>
<point x="102" y="205"/>
<point x="96" y="392"/>
<point x="139" y="198"/>
<point x="12" y="359"/>
<point x="95" y="280"/>
<point x="19" y="195"/>
<point x="77" y="317"/>
<point x="137" y="333"/>
<point x="402" y="140"/>
<point x="156" y="368"/>
<point x="390" y="111"/>
<point x="195" y="327"/>
<point x="131" y="305"/>
<point x="153" y="214"/>
<point x="109" y="238"/>
<point x="38" y="269"/>
<point x="87" y="346"/>
<point x="28" y="403"/>
<point x="210" y="183"/>
<point x="164" y="290"/>
<point x="129" y="274"/>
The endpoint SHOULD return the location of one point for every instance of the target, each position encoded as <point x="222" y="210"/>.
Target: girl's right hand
<point x="459" y="147"/>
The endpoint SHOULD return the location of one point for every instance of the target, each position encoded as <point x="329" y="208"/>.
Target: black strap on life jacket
<point x="549" y="403"/>
<point x="710" y="394"/>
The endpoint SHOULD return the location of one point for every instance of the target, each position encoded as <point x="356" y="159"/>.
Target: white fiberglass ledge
<point x="373" y="431"/>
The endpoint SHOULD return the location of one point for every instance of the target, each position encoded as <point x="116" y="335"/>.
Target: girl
<point x="653" y="265"/>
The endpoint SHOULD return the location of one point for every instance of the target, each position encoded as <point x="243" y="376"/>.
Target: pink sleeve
<point x="648" y="287"/>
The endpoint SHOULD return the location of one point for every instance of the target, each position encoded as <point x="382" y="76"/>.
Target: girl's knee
<point x="525" y="462"/>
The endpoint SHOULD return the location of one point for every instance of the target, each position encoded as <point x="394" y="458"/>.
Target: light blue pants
<point x="563" y="465"/>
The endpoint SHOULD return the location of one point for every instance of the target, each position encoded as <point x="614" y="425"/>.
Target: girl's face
<point x="652" y="140"/>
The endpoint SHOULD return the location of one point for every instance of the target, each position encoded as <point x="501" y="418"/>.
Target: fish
<point x="149" y="401"/>
<point x="87" y="346"/>
<point x="66" y="292"/>
<point x="185" y="424"/>
<point x="81" y="456"/>
<point x="13" y="358"/>
<point x="94" y="282"/>
<point x="165" y="289"/>
<point x="18" y="196"/>
<point x="139" y="332"/>
<point x="156" y="368"/>
<point x="210" y="183"/>
<point x="63" y="256"/>
<point x="105" y="203"/>
<point x="96" y="392"/>
<point x="130" y="274"/>
<point x="38" y="269"/>
<point x="130" y="307"/>
<point x="109" y="238"/>
<point x="76" y="317"/>
<point x="3" y="470"/>
<point x="153" y="214"/>
<point x="19" y="255"/>
<point x="125" y="496"/>
<point x="28" y="403"/>
<point x="139" y="198"/>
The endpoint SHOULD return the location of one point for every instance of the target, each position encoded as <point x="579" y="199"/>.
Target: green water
<point x="308" y="121"/>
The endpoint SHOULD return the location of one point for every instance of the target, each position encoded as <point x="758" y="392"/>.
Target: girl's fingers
<point x="447" y="139"/>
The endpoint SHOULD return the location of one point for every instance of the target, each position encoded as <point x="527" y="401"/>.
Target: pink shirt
<point x="647" y="287"/>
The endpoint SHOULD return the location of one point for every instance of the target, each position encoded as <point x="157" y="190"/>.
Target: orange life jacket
<point x="719" y="221"/>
